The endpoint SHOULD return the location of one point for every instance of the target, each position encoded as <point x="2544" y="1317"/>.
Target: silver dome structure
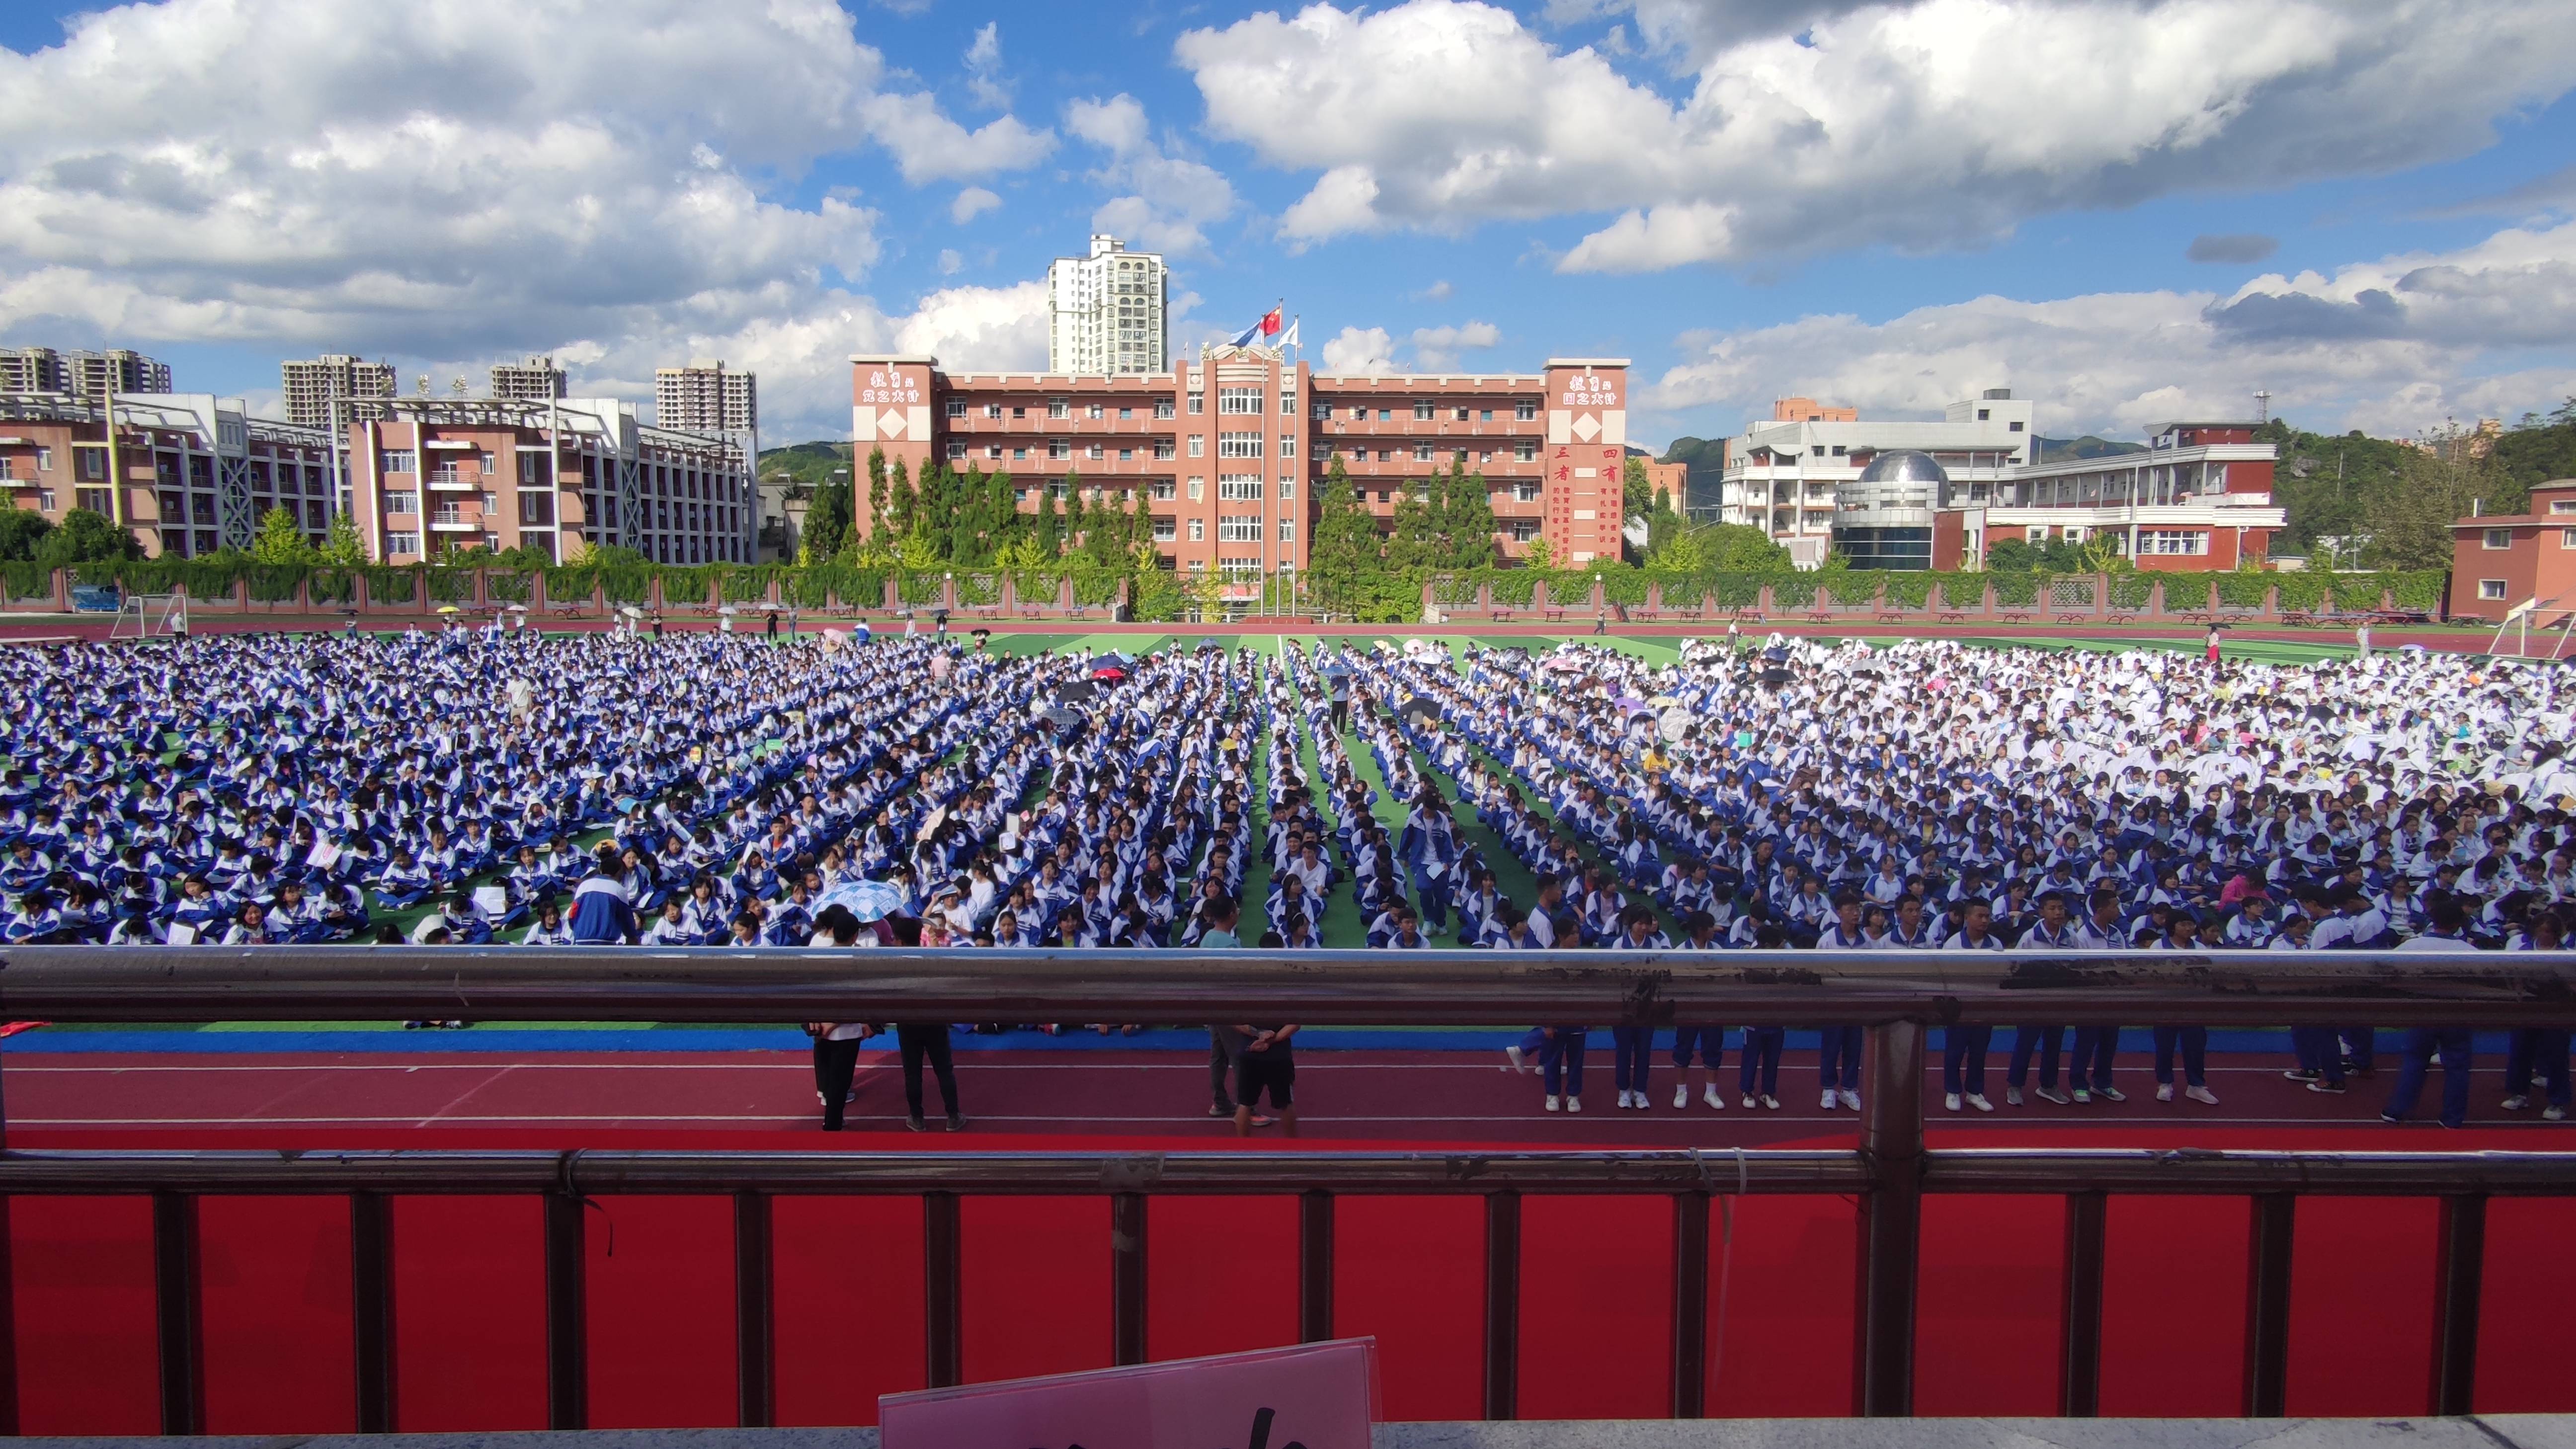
<point x="1883" y="518"/>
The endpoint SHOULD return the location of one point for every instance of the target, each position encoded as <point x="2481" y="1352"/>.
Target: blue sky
<point x="1885" y="205"/>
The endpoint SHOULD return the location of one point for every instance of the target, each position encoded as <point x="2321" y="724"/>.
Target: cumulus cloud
<point x="2391" y="346"/>
<point x="588" y="173"/>
<point x="1167" y="199"/>
<point x="2238" y="247"/>
<point x="971" y="203"/>
<point x="1437" y="348"/>
<point x="984" y="69"/>
<point x="1810" y="126"/>
<point x="1360" y="350"/>
<point x="1437" y="292"/>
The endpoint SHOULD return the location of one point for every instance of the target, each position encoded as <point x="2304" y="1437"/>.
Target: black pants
<point x="1220" y="1070"/>
<point x="917" y="1041"/>
<point x="835" y="1063"/>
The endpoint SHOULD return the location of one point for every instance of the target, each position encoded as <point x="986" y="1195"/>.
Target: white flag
<point x="1289" y="338"/>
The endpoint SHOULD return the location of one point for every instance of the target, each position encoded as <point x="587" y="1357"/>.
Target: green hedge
<point x="24" y="579"/>
<point x="330" y="586"/>
<point x="921" y="588"/>
<point x="450" y="585"/>
<point x="2132" y="591"/>
<point x="274" y="583"/>
<point x="506" y="586"/>
<point x="2018" y="591"/>
<point x="1795" y="590"/>
<point x="2243" y="590"/>
<point x="1513" y="587"/>
<point x="1909" y="589"/>
<point x="2419" y="589"/>
<point x="748" y="585"/>
<point x="388" y="583"/>
<point x="979" y="589"/>
<point x="1680" y="591"/>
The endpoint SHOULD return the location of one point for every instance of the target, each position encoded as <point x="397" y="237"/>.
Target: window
<point x="1019" y="453"/>
<point x="1056" y="408"/>
<point x="1238" y="445"/>
<point x="992" y="410"/>
<point x="44" y="460"/>
<point x="2567" y="538"/>
<point x="1521" y="530"/>
<point x="1238" y="528"/>
<point x="1198" y="445"/>
<point x="1198" y="403"/>
<point x="1983" y="414"/>
<point x="400" y="460"/>
<point x="1525" y="411"/>
<point x="2490" y="588"/>
<point x="956" y="452"/>
<point x="1238" y="399"/>
<point x="1198" y="489"/>
<point x="993" y="450"/>
<point x="1525" y="492"/>
<point x="1126" y="454"/>
<point x="1287" y="487"/>
<point x="1323" y="412"/>
<point x="1287" y="405"/>
<point x="1239" y="487"/>
<point x="410" y="543"/>
<point x="1161" y="489"/>
<point x="536" y="509"/>
<point x="1287" y="445"/>
<point x="92" y="461"/>
<point x="401" y="503"/>
<point x="1059" y="448"/>
<point x="96" y="500"/>
<point x="1838" y="450"/>
<point x="2167" y="541"/>
<point x="1287" y="530"/>
<point x="1097" y="411"/>
<point x="1162" y="408"/>
<point x="1488" y="415"/>
<point x="45" y="501"/>
<point x="1422" y="452"/>
<point x="1525" y="451"/>
<point x="1165" y="529"/>
<point x="1019" y="412"/>
<point x="1163" y="448"/>
<point x="1198" y="530"/>
<point x="1386" y="415"/>
<point x="2499" y="538"/>
<point x="1092" y="452"/>
<point x="2016" y="427"/>
<point x="1422" y="412"/>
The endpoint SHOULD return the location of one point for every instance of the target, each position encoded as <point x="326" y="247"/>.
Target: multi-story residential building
<point x="2500" y="562"/>
<point x="706" y="397"/>
<point x="535" y="380"/>
<point x="2199" y="497"/>
<point x="33" y="369"/>
<point x="437" y="474"/>
<point x="355" y="385"/>
<point x="118" y="369"/>
<point x="1107" y="312"/>
<point x="190" y="473"/>
<point x="1229" y="452"/>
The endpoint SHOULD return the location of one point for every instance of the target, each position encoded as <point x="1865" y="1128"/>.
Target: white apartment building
<point x="313" y="386"/>
<point x="1107" y="313"/>
<point x="535" y="380"/>
<point x="706" y="397"/>
<point x="1781" y="476"/>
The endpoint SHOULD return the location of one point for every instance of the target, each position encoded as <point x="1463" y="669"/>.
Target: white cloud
<point x="1824" y="124"/>
<point x="2390" y="346"/>
<point x="1167" y="199"/>
<point x="971" y="203"/>
<point x="1437" y="292"/>
<point x="1360" y="350"/>
<point x="577" y="173"/>
<point x="1437" y="348"/>
<point x="984" y="68"/>
<point x="951" y="262"/>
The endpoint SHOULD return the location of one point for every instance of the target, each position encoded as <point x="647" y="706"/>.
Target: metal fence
<point x="1894" y="996"/>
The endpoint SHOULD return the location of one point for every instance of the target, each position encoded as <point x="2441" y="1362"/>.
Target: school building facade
<point x="1228" y="452"/>
<point x="2500" y="562"/>
<point x="189" y="473"/>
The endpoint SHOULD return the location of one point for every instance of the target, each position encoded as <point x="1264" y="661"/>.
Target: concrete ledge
<point x="2488" y="1431"/>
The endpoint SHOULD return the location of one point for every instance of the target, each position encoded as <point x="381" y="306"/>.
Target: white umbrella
<point x="869" y="900"/>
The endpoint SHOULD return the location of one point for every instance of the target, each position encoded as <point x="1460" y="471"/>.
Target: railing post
<point x="1127" y="1278"/>
<point x="567" y="1312"/>
<point x="2267" y="1304"/>
<point x="1502" y="1304"/>
<point x="2079" y="1383"/>
<point x="371" y="1307"/>
<point x="1891" y="1219"/>
<point x="179" y="1312"/>
<point x="755" y="1317"/>
<point x="942" y="1289"/>
<point x="1314" y="1266"/>
<point x="1690" y="1305"/>
<point x="2457" y="1278"/>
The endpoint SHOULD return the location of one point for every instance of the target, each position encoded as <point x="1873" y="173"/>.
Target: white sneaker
<point x="1551" y="1104"/>
<point x="2202" y="1095"/>
<point x="1828" y="1100"/>
<point x="2012" y="1096"/>
<point x="1715" y="1102"/>
<point x="1642" y="1104"/>
<point x="2164" y="1091"/>
<point x="1978" y="1101"/>
<point x="1849" y="1099"/>
<point x="2515" y="1103"/>
<point x="1623" y="1099"/>
<point x="1951" y="1101"/>
<point x="1573" y="1103"/>
<point x="1769" y="1104"/>
<point x="2553" y="1114"/>
<point x="1681" y="1096"/>
<point x="1748" y="1101"/>
<point x="1517" y="1065"/>
<point x="2051" y="1094"/>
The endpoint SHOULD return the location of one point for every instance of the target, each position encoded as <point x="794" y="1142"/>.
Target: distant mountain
<point x="807" y="463"/>
<point x="1706" y="460"/>
<point x="2060" y="450"/>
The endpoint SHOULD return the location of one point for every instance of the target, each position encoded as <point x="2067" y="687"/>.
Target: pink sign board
<point x="1317" y="1396"/>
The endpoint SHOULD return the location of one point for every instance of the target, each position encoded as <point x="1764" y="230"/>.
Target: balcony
<point x="449" y="480"/>
<point x="456" y="520"/>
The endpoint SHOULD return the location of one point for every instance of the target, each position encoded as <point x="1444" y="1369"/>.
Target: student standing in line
<point x="2538" y="1052"/>
<point x="1220" y="915"/>
<point x="836" y="1043"/>
<point x="2447" y="932"/>
<point x="1963" y="1047"/>
<point x="2193" y="1041"/>
<point x="2089" y="1072"/>
<point x="1265" y="1062"/>
<point x="1759" y="1063"/>
<point x="1633" y="1047"/>
<point x="2054" y="932"/>
<point x="1838" y="1048"/>
<point x="1707" y="1043"/>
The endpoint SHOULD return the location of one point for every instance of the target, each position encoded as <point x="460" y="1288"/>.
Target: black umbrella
<point x="1775" y="677"/>
<point x="1423" y="707"/>
<point x="1075" y="691"/>
<point x="1111" y="660"/>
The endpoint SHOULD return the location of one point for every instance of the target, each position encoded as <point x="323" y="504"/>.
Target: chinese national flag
<point x="1270" y="323"/>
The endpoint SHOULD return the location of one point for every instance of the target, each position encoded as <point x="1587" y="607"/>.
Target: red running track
<point x="1596" y="1272"/>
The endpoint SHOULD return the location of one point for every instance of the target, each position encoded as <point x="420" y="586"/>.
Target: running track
<point x="1421" y="1096"/>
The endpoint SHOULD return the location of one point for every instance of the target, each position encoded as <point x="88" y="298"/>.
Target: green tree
<point x="828" y="519"/>
<point x="1465" y="519"/>
<point x="1046" y="526"/>
<point x="22" y="530"/>
<point x="878" y="499"/>
<point x="2011" y="556"/>
<point x="1346" y="548"/>
<point x="1739" y="548"/>
<point x="342" y="548"/>
<point x="86" y="536"/>
<point x="1638" y="493"/>
<point x="1413" y="542"/>
<point x="903" y="505"/>
<point x="2410" y="526"/>
<point x="281" y="539"/>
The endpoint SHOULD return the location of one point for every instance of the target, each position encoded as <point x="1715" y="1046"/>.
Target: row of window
<point x="2502" y="538"/>
<point x="1523" y="411"/>
<point x="1524" y="451"/>
<point x="1057" y="407"/>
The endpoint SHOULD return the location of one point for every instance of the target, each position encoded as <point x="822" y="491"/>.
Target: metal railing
<point x="1894" y="996"/>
